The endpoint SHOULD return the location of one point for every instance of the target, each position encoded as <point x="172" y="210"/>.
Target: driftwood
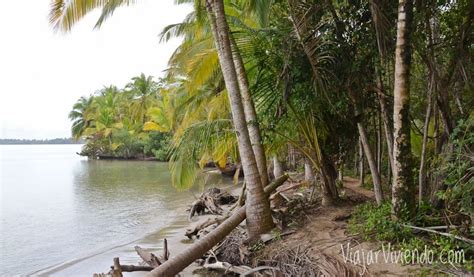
<point x="227" y="267"/>
<point x="148" y="257"/>
<point x="177" y="263"/>
<point x="133" y="268"/>
<point x="200" y="226"/>
<point x="116" y="270"/>
<point x="211" y="200"/>
<point x="166" y="252"/>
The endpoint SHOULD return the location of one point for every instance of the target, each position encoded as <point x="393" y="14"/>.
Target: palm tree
<point x="198" y="43"/>
<point x="403" y="194"/>
<point x="143" y="91"/>
<point x="79" y="116"/>
<point x="259" y="218"/>
<point x="64" y="14"/>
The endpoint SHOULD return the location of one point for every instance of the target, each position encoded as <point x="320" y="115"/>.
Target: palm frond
<point x="64" y="14"/>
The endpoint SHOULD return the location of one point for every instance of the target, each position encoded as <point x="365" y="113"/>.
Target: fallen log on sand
<point x="179" y="262"/>
<point x="211" y="200"/>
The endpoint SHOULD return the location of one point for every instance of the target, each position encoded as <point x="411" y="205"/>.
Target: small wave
<point x="63" y="265"/>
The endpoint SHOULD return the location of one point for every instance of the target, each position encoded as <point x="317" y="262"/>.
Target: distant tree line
<point x="41" y="141"/>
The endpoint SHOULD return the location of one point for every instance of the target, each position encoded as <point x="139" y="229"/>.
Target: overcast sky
<point x="43" y="73"/>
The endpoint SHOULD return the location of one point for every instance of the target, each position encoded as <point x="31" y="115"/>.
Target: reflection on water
<point x="57" y="206"/>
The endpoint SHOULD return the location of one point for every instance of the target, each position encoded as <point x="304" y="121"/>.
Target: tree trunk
<point x="259" y="219"/>
<point x="356" y="161"/>
<point x="361" y="164"/>
<point x="277" y="167"/>
<point x="308" y="171"/>
<point x="372" y="165"/>
<point x="387" y="128"/>
<point x="379" y="143"/>
<point x="376" y="19"/>
<point x="367" y="151"/>
<point x="431" y="30"/>
<point x="422" y="173"/>
<point x="195" y="251"/>
<point x="250" y="115"/>
<point x="328" y="174"/>
<point x="403" y="194"/>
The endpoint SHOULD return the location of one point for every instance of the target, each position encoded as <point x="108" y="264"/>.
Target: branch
<point x="440" y="233"/>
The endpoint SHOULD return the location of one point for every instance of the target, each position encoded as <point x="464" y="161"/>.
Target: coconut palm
<point x="259" y="218"/>
<point x="79" y="116"/>
<point x="143" y="90"/>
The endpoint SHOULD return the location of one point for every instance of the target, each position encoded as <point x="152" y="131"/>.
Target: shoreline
<point x="100" y="261"/>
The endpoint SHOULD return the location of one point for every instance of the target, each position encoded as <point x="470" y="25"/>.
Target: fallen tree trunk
<point x="470" y="241"/>
<point x="179" y="262"/>
<point x="133" y="268"/>
<point x="194" y="231"/>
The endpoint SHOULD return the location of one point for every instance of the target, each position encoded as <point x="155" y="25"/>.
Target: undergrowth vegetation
<point x="374" y="223"/>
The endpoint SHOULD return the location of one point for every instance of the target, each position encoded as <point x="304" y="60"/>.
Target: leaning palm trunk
<point x="259" y="219"/>
<point x="250" y="116"/>
<point x="179" y="262"/>
<point x="403" y="199"/>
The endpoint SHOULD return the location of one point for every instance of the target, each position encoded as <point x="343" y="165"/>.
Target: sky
<point x="43" y="73"/>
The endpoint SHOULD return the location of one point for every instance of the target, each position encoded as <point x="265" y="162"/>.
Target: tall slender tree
<point x="259" y="219"/>
<point x="403" y="196"/>
<point x="250" y="115"/>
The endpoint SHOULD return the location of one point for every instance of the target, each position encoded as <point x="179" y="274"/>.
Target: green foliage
<point x="112" y="121"/>
<point x="459" y="170"/>
<point x="307" y="53"/>
<point x="371" y="221"/>
<point x="158" y="144"/>
<point x="368" y="182"/>
<point x="375" y="223"/>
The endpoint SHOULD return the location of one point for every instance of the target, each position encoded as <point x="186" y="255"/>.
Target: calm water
<point x="57" y="206"/>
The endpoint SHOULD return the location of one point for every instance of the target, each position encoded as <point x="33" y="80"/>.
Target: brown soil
<point x="325" y="234"/>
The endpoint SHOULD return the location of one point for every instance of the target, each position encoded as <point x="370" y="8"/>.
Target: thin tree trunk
<point x="277" y="167"/>
<point x="308" y="171"/>
<point x="361" y="164"/>
<point x="436" y="128"/>
<point x="387" y="128"/>
<point x="372" y="165"/>
<point x="403" y="196"/>
<point x="356" y="161"/>
<point x="259" y="219"/>
<point x="250" y="115"/>
<point x="195" y="251"/>
<point x="379" y="144"/>
<point x="432" y="66"/>
<point x="376" y="19"/>
<point x="422" y="173"/>
<point x="368" y="152"/>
